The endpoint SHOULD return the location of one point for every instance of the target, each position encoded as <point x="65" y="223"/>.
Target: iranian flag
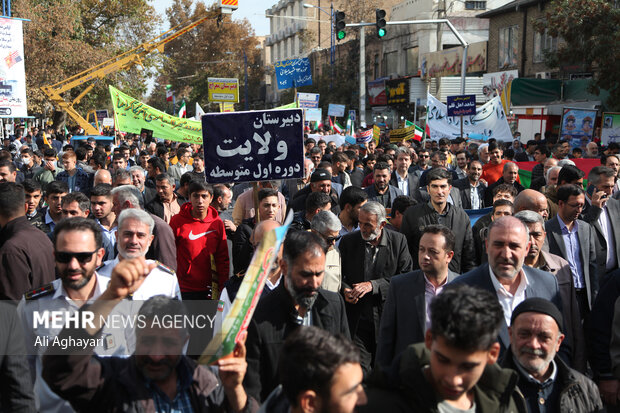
<point x="169" y="93"/>
<point x="338" y="128"/>
<point x="419" y="132"/>
<point x="183" y="110"/>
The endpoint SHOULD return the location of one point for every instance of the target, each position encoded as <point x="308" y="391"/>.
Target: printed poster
<point x="611" y="128"/>
<point x="12" y="70"/>
<point x="577" y="126"/>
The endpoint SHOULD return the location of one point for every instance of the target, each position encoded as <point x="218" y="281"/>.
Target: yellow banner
<point x="376" y="134"/>
<point x="227" y="107"/>
<point x="399" y="135"/>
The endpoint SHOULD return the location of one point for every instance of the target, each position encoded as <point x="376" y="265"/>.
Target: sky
<point x="253" y="10"/>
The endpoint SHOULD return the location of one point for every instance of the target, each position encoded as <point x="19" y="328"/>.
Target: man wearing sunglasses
<point x="78" y="252"/>
<point x="423" y="162"/>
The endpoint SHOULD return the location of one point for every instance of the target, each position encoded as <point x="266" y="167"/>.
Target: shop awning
<point x="526" y="92"/>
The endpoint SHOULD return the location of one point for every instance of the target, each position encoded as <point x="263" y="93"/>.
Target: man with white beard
<point x="545" y="380"/>
<point x="370" y="257"/>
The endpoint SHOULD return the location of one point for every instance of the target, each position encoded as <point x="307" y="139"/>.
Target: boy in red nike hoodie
<point x="202" y="251"/>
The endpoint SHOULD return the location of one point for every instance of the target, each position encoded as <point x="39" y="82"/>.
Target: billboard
<point x="12" y="70"/>
<point x="223" y="90"/>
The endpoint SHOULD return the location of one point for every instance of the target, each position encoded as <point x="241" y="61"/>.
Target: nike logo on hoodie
<point x="193" y="237"/>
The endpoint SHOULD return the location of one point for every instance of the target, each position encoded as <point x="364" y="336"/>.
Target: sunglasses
<point x="329" y="240"/>
<point x="66" y="257"/>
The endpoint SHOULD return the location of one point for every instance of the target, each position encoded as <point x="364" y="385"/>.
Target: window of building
<point x="411" y="61"/>
<point x="543" y="43"/>
<point x="508" y="47"/>
<point x="390" y="63"/>
<point x="475" y="5"/>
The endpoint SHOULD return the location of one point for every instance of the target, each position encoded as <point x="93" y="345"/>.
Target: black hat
<point x="321" y="175"/>
<point x="538" y="305"/>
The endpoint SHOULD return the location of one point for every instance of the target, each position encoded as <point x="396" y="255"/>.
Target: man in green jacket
<point x="455" y="369"/>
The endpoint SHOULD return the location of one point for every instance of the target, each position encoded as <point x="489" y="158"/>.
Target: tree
<point x="65" y="37"/>
<point x="215" y="48"/>
<point x="590" y="33"/>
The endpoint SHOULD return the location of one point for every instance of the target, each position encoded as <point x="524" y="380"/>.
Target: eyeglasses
<point x="66" y="257"/>
<point x="329" y="240"/>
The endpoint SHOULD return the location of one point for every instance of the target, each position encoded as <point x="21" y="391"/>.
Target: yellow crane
<point x="121" y="62"/>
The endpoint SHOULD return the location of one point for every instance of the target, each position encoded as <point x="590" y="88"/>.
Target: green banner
<point x="131" y="115"/>
<point x="289" y="106"/>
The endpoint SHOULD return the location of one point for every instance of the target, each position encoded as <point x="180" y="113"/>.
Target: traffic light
<point x="380" y="23"/>
<point x="339" y="25"/>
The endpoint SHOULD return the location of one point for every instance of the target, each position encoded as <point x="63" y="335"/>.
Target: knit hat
<point x="538" y="305"/>
<point x="321" y="175"/>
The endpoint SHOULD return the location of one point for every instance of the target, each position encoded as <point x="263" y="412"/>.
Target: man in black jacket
<point x="298" y="300"/>
<point x="401" y="178"/>
<point x="370" y="258"/>
<point x="16" y="391"/>
<point x="320" y="181"/>
<point x="381" y="190"/>
<point x="406" y="315"/>
<point x="26" y="253"/>
<point x="439" y="212"/>
<point x="544" y="378"/>
<point x="510" y="174"/>
<point x="471" y="188"/>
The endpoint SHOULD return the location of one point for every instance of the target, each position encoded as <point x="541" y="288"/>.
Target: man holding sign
<point x="298" y="300"/>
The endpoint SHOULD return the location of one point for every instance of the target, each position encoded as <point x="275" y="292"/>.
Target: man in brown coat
<point x="26" y="253"/>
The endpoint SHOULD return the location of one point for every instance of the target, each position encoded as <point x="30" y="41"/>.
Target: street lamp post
<point x="332" y="49"/>
<point x="245" y="62"/>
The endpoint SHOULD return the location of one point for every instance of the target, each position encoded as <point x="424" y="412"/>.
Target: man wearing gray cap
<point x="545" y="380"/>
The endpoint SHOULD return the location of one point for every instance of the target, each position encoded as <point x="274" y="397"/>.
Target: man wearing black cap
<point x="546" y="381"/>
<point x="320" y="181"/>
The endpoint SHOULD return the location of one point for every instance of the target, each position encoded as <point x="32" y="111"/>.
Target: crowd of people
<point x="384" y="296"/>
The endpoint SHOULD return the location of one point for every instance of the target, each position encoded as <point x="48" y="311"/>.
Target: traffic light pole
<point x="332" y="49"/>
<point x="361" y="25"/>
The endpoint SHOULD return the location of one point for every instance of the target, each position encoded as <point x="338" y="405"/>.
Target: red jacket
<point x="199" y="244"/>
